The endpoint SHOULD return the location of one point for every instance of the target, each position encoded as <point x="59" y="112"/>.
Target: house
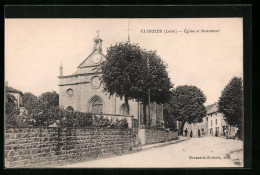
<point x="213" y="124"/>
<point x="197" y="128"/>
<point x="217" y="123"/>
<point x="16" y="93"/>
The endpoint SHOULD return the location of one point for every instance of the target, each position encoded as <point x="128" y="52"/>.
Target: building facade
<point x="200" y="128"/>
<point x="18" y="95"/>
<point x="217" y="126"/>
<point x="213" y="124"/>
<point x="83" y="90"/>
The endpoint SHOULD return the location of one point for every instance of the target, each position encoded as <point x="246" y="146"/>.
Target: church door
<point x="97" y="107"/>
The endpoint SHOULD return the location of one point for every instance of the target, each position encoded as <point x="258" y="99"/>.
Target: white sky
<point x="34" y="49"/>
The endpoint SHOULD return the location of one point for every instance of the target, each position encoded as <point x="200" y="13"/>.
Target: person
<point x="198" y="132"/>
<point x="216" y="134"/>
<point x="191" y="134"/>
<point x="226" y="133"/>
<point x="186" y="132"/>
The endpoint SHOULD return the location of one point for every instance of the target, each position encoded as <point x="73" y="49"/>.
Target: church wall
<point x="65" y="100"/>
<point x="133" y="108"/>
<point x="133" y="105"/>
<point x="83" y="92"/>
<point x="87" y="92"/>
<point x="85" y="70"/>
<point x="68" y="80"/>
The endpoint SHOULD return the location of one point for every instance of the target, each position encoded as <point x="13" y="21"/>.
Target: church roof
<point x="90" y="55"/>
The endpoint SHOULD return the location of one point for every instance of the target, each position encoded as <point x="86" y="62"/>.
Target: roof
<point x="90" y="55"/>
<point x="209" y="106"/>
<point x="212" y="108"/>
<point x="10" y="89"/>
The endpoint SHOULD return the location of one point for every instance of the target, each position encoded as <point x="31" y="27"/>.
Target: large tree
<point x="186" y="105"/>
<point x="122" y="69"/>
<point x="157" y="81"/>
<point x="49" y="98"/>
<point x="30" y="101"/>
<point x="230" y="103"/>
<point x="130" y="72"/>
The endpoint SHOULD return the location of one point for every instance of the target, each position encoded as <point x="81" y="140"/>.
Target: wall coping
<point x="46" y="127"/>
<point x="112" y="115"/>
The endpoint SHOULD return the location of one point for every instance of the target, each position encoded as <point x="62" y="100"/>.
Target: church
<point x="83" y="91"/>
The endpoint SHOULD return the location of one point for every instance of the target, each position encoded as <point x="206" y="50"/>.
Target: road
<point x="195" y="152"/>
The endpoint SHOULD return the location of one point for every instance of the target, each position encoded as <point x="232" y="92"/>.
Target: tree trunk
<point x="127" y="104"/>
<point x="182" y="127"/>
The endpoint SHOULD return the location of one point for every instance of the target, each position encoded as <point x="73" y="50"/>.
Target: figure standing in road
<point x="186" y="132"/>
<point x="191" y="134"/>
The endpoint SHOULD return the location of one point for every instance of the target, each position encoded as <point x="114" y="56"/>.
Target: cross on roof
<point x="128" y="33"/>
<point x="98" y="32"/>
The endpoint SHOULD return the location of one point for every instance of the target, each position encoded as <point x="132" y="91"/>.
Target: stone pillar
<point x="141" y="135"/>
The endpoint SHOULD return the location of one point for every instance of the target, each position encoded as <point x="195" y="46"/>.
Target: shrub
<point x="44" y="115"/>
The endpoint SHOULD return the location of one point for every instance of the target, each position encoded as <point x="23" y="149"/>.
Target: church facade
<point x="83" y="91"/>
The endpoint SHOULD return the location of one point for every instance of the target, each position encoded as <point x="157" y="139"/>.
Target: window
<point x="69" y="108"/>
<point x="211" y="131"/>
<point x="216" y="121"/>
<point x="70" y="92"/>
<point x="210" y="122"/>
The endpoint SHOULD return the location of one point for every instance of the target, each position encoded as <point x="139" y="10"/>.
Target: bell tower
<point x="97" y="42"/>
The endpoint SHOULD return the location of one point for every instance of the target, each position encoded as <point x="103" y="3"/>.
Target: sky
<point x="34" y="49"/>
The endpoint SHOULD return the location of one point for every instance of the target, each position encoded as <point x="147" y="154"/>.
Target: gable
<point x="93" y="59"/>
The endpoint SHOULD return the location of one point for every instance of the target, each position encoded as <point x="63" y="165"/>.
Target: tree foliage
<point x="126" y="74"/>
<point x="10" y="104"/>
<point x="49" y="98"/>
<point x="11" y="111"/>
<point x="186" y="105"/>
<point x="156" y="80"/>
<point x="44" y="111"/>
<point x="30" y="101"/>
<point x="44" y="115"/>
<point x="230" y="103"/>
<point x="122" y="70"/>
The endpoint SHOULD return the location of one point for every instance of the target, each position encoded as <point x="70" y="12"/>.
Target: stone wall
<point x="47" y="147"/>
<point x="173" y="135"/>
<point x="156" y="135"/>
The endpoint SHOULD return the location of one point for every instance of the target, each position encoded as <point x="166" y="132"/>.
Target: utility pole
<point x="149" y="100"/>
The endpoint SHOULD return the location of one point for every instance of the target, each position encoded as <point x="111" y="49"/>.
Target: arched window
<point x="96" y="105"/>
<point x="124" y="110"/>
<point x="69" y="108"/>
